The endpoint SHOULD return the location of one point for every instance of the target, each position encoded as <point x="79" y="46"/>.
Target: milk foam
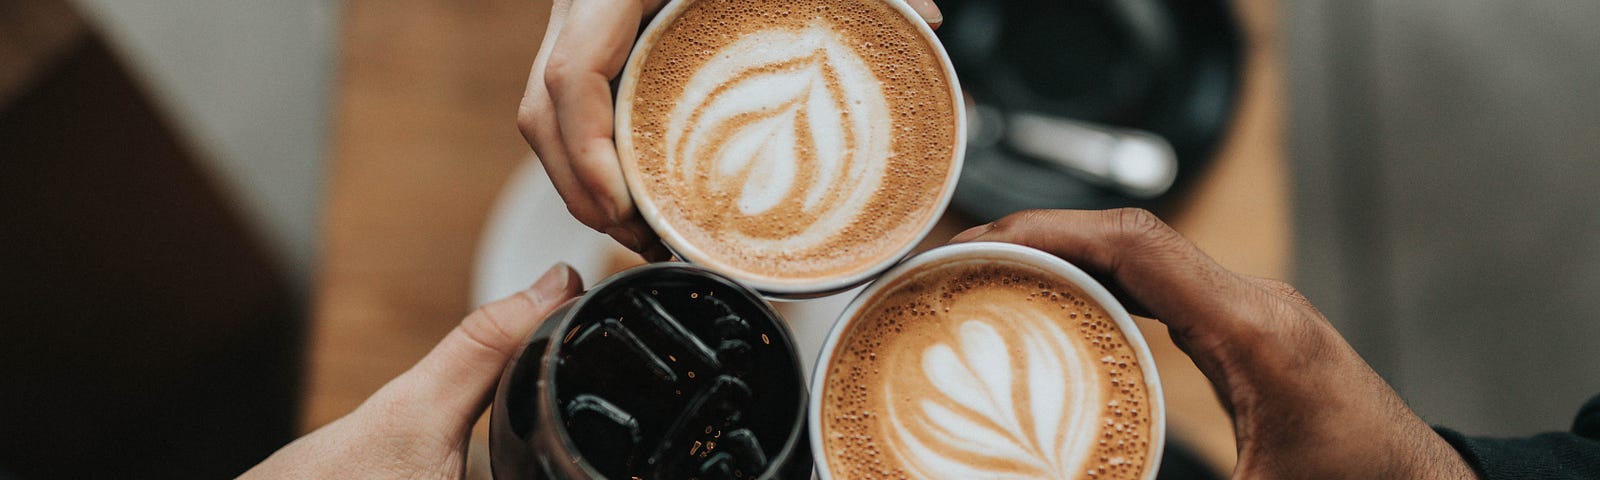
<point x="972" y="408"/>
<point x="979" y="370"/>
<point x="790" y="143"/>
<point x="784" y="121"/>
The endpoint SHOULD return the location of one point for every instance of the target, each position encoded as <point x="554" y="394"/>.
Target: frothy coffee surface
<point x="794" y="140"/>
<point x="976" y="369"/>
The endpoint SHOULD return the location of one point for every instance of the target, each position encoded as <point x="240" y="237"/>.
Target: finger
<point x="928" y="11"/>
<point x="1157" y="268"/>
<point x="656" y="253"/>
<point x="1133" y="306"/>
<point x="650" y="246"/>
<point x="633" y="233"/>
<point x="537" y="122"/>
<point x="450" y="386"/>
<point x="590" y="52"/>
<point x="536" y="119"/>
<point x="972" y="233"/>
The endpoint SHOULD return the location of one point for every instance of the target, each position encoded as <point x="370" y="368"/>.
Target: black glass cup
<point x="662" y="371"/>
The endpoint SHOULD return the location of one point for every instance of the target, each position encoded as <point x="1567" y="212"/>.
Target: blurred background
<point x="226" y="222"/>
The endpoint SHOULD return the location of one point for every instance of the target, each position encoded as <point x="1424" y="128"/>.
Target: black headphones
<point x="1095" y="80"/>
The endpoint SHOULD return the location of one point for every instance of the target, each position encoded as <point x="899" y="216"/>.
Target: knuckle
<point x="590" y="181"/>
<point x="484" y="331"/>
<point x="528" y="122"/>
<point x="1293" y="294"/>
<point x="587" y="215"/>
<point x="1020" y="220"/>
<point x="1139" y="224"/>
<point x="1142" y="235"/>
<point x="1283" y="290"/>
<point x="531" y="112"/>
<point x="1282" y="321"/>
<point x="558" y="71"/>
<point x="1138" y="228"/>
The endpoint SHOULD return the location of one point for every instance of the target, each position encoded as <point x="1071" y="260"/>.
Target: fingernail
<point x="930" y="13"/>
<point x="553" y="283"/>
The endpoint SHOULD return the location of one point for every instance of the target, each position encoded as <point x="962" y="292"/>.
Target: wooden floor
<point x="425" y="135"/>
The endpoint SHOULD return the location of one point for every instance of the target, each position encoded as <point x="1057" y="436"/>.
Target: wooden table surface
<point x="425" y="137"/>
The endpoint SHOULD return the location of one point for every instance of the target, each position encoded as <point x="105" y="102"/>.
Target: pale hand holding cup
<point x="418" y="425"/>
<point x="566" y="113"/>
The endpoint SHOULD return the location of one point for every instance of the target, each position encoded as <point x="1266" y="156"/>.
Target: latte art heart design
<point x="986" y="417"/>
<point x="789" y="126"/>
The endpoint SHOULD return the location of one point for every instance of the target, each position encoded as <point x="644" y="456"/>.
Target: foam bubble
<point x="793" y="140"/>
<point x="792" y="120"/>
<point x="974" y="370"/>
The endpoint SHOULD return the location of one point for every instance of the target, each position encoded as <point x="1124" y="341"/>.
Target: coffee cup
<point x="662" y="371"/>
<point x="986" y="360"/>
<point x="800" y="147"/>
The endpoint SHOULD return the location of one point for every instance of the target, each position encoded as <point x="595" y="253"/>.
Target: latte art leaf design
<point x="1002" y="402"/>
<point x="790" y="128"/>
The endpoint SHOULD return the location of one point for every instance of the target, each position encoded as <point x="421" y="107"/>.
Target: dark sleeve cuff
<point x="1552" y="456"/>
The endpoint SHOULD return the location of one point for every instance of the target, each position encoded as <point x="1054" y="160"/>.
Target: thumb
<point x="450" y="387"/>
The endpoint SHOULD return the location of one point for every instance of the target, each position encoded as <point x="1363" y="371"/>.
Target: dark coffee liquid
<point x="670" y="375"/>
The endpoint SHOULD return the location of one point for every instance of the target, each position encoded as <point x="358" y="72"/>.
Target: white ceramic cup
<point x="692" y="253"/>
<point x="999" y="253"/>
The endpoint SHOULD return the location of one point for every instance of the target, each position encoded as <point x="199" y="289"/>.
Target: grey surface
<point x="1447" y="164"/>
<point x="247" y="82"/>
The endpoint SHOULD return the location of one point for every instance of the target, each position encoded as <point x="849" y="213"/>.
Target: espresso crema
<point x="786" y="142"/>
<point x="985" y="369"/>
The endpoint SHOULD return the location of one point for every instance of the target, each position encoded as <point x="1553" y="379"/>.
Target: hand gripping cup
<point x="801" y="147"/>
<point x="986" y="360"/>
<point x="662" y="371"/>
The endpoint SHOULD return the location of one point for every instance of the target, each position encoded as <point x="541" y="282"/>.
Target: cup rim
<point x="767" y="285"/>
<point x="1004" y="252"/>
<point x="548" y="357"/>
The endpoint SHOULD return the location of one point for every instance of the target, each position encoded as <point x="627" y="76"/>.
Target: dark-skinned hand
<point x="1303" y="403"/>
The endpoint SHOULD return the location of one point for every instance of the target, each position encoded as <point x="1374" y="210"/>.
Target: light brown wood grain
<point x="424" y="136"/>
